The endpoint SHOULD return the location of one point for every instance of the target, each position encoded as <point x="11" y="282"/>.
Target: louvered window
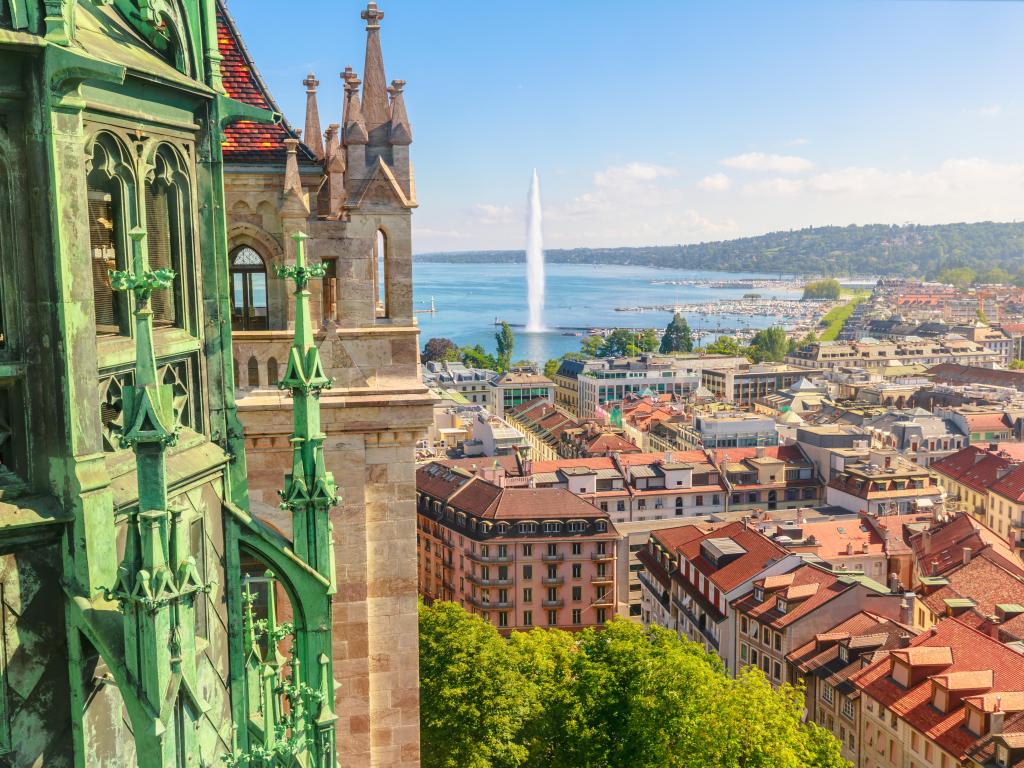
<point x="162" y="254"/>
<point x="104" y="256"/>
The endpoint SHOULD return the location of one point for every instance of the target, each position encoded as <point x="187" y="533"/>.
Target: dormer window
<point x="552" y="527"/>
<point x="601" y="526"/>
<point x="782" y="605"/>
<point x="527" y="527"/>
<point x="503" y="527"/>
<point x="844" y="654"/>
<point x="759" y="594"/>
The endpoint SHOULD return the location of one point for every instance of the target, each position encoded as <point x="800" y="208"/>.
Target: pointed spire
<point x="401" y="131"/>
<point x="355" y="126"/>
<point x="312" y="130"/>
<point x="294" y="197"/>
<point x="375" y="97"/>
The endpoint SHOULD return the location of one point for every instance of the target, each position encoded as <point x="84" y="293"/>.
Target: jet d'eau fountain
<point x="534" y="258"/>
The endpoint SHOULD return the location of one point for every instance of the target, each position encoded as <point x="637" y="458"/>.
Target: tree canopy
<point x="477" y="357"/>
<point x="438" y="350"/>
<point x="678" y="337"/>
<point x="769" y="345"/>
<point x="506" y="342"/>
<point x="822" y="289"/>
<point x="623" y="696"/>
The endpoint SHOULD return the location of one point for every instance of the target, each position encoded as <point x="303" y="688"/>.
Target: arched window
<point x="380" y="273"/>
<point x="254" y="372"/>
<point x="111" y="196"/>
<point x="248" y="291"/>
<point x="168" y="231"/>
<point x="272" y="374"/>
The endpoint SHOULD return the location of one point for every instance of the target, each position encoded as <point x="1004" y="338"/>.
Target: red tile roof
<point x="974" y="466"/>
<point x="811" y="587"/>
<point x="760" y="552"/>
<point x="969" y="651"/>
<point x="245" y="141"/>
<point x="941" y="548"/>
<point x="1011" y="485"/>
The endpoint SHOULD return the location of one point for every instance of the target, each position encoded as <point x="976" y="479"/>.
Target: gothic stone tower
<point x="138" y="593"/>
<point x="350" y="189"/>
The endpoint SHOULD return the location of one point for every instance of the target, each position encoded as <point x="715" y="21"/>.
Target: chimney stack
<point x="906" y="611"/>
<point x="996" y="720"/>
<point x="967" y="555"/>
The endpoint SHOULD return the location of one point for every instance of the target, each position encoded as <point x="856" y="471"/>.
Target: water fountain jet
<point x="534" y="258"/>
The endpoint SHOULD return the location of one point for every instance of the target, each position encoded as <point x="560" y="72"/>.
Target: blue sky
<point x="664" y="121"/>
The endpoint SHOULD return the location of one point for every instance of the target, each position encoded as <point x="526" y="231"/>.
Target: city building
<point x="885" y="483"/>
<point x="917" y="435"/>
<point x="779" y="477"/>
<point x="953" y="540"/>
<point x="933" y="702"/>
<point x="981" y="423"/>
<point x="691" y="578"/>
<point x="612" y="379"/>
<point x="967" y="475"/>
<point x="783" y="611"/>
<point x="825" y="664"/>
<point x="474" y="384"/>
<point x="963" y="374"/>
<point x="980" y="589"/>
<point x="552" y="433"/>
<point x="827" y="446"/>
<point x="845" y="543"/>
<point x="728" y="429"/>
<point x="871" y="353"/>
<point x="350" y="190"/>
<point x="513" y="388"/>
<point x="140" y="593"/>
<point x="519" y="557"/>
<point x="745" y="384"/>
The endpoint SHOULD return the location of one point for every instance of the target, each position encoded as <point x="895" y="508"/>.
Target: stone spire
<point x="294" y="197"/>
<point x="309" y="490"/>
<point x="354" y="131"/>
<point x="375" y="96"/>
<point x="312" y="131"/>
<point x="401" y="131"/>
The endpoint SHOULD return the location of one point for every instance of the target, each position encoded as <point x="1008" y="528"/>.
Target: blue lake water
<point x="469" y="297"/>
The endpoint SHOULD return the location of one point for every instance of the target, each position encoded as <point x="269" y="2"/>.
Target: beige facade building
<point x="350" y="189"/>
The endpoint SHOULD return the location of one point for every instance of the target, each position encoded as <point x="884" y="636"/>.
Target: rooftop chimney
<point x="905" y="639"/>
<point x="996" y="720"/>
<point x="967" y="555"/>
<point x="906" y="612"/>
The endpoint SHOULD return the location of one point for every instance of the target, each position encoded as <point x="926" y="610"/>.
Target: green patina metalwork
<point x="144" y="513"/>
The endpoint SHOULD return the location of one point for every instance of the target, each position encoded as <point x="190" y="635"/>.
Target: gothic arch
<point x="258" y="239"/>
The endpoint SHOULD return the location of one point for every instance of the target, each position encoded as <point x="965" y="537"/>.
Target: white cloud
<point x="493" y="214"/>
<point x="716" y="182"/>
<point x="992" y="110"/>
<point x="799" y="141"/>
<point x="632" y="173"/>
<point x="779" y="186"/>
<point x="759" y="161"/>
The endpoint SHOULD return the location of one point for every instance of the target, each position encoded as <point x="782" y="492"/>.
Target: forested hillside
<point x="876" y="249"/>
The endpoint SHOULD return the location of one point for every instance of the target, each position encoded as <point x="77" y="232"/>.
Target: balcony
<point x="493" y="606"/>
<point x="549" y="558"/>
<point x="605" y="600"/>
<point x="489" y="558"/>
<point x="602" y="556"/>
<point x="602" y="579"/>
<point x="553" y="603"/>
<point x="556" y="581"/>
<point x="482" y="582"/>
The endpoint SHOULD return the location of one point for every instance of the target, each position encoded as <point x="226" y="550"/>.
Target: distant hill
<point x="874" y="249"/>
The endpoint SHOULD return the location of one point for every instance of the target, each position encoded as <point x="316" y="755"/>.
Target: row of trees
<point x="442" y="350"/>
<point x="622" y="696"/>
<point x="822" y="289"/>
<point x="962" y="277"/>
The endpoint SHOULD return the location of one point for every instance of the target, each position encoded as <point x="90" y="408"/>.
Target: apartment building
<point x="967" y="475"/>
<point x="871" y="353"/>
<point x="692" y="576"/>
<point x="952" y="540"/>
<point x="917" y="435"/>
<point x="825" y="664"/>
<point x="728" y="429"/>
<point x="519" y="557"/>
<point x="981" y="590"/>
<point x="784" y="611"/>
<point x="515" y="387"/>
<point x="950" y="693"/>
<point x="615" y="378"/>
<point x="771" y="478"/>
<point x="981" y="423"/>
<point x="885" y="483"/>
<point x="845" y="543"/>
<point x="748" y="382"/>
<point x="474" y="384"/>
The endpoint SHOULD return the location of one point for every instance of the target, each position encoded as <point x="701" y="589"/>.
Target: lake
<point x="469" y="297"/>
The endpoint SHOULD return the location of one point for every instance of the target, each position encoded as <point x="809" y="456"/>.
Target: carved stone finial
<point x="311" y="83"/>
<point x="372" y="15"/>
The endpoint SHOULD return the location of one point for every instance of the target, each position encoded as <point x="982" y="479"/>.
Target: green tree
<point x="440" y="350"/>
<point x="551" y="366"/>
<point x="958" y="277"/>
<point x="591" y="346"/>
<point x="477" y="357"/>
<point x="725" y="345"/>
<point x="822" y="289"/>
<point x="678" y="337"/>
<point x="996" y="275"/>
<point x="769" y="345"/>
<point x="506" y="341"/>
<point x="473" y="703"/>
<point x="622" y="696"/>
<point x="620" y="342"/>
<point x="1017" y="365"/>
<point x="648" y="341"/>
<point x="809" y="338"/>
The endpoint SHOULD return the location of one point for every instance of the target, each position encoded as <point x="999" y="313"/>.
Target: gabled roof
<point x="952" y="647"/>
<point x="247" y="142"/>
<point x="810" y="588"/>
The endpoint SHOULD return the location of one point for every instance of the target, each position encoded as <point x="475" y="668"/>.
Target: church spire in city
<point x="375" y="95"/>
<point x="312" y="134"/>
